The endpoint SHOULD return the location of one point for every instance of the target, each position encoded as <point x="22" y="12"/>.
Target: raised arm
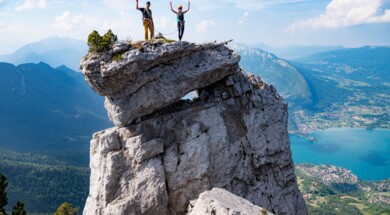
<point x="136" y="6"/>
<point x="173" y="9"/>
<point x="188" y="7"/>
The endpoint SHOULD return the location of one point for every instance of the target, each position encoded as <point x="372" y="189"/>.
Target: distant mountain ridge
<point x="346" y="87"/>
<point x="296" y="51"/>
<point x="47" y="110"/>
<point x="47" y="116"/>
<point x="55" y="51"/>
<point x="350" y="88"/>
<point x="376" y="58"/>
<point x="278" y="72"/>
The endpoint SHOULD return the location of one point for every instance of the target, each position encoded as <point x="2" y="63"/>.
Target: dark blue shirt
<point x="146" y="14"/>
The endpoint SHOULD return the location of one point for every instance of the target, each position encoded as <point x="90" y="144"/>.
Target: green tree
<point x="109" y="39"/>
<point x="19" y="209"/>
<point x="94" y="40"/>
<point x="3" y="194"/>
<point x="98" y="43"/>
<point x="66" y="209"/>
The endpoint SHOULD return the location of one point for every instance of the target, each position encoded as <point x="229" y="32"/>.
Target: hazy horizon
<point x="276" y="23"/>
<point x="257" y="45"/>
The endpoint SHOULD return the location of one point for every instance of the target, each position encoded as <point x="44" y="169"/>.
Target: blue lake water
<point x="366" y="153"/>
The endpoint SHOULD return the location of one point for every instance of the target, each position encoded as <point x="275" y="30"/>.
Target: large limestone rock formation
<point x="154" y="76"/>
<point x="166" y="152"/>
<point x="221" y="202"/>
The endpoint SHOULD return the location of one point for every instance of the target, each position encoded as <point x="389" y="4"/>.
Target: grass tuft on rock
<point x="118" y="56"/>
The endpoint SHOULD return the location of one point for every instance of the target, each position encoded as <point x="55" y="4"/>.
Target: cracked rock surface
<point x="221" y="202"/>
<point x="155" y="76"/>
<point x="233" y="137"/>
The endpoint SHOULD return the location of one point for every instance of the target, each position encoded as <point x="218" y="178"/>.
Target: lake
<point x="365" y="153"/>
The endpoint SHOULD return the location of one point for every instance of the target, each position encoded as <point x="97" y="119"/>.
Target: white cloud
<point x="42" y="4"/>
<point x="250" y="5"/>
<point x="243" y="18"/>
<point x="118" y="4"/>
<point x="258" y="5"/>
<point x="28" y="4"/>
<point x="68" y="21"/>
<point x="204" y="26"/>
<point x="120" y="24"/>
<point x="80" y="24"/>
<point x="342" y="13"/>
<point x="31" y="4"/>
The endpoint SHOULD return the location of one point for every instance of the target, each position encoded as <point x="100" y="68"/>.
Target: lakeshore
<point x="365" y="152"/>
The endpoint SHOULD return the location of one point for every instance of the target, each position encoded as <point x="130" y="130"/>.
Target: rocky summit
<point x="226" y="151"/>
<point x="153" y="76"/>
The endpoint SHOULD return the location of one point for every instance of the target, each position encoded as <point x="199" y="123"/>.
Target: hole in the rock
<point x="190" y="96"/>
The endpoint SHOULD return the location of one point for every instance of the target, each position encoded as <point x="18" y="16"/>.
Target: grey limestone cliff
<point x="154" y="76"/>
<point x="165" y="152"/>
<point x="221" y="202"/>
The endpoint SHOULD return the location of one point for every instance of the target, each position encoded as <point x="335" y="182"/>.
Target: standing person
<point x="147" y="19"/>
<point x="180" y="18"/>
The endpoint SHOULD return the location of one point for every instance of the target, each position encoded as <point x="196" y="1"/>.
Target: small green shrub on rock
<point x="98" y="43"/>
<point x="94" y="40"/>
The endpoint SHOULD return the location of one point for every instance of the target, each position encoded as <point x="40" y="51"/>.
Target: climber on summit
<point x="180" y="18"/>
<point x="147" y="19"/>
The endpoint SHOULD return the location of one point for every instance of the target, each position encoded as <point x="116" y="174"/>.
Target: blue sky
<point x="349" y="23"/>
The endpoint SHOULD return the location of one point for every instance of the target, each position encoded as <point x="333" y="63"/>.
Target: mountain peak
<point x="167" y="154"/>
<point x="244" y="49"/>
<point x="278" y="72"/>
<point x="53" y="43"/>
<point x="54" y="51"/>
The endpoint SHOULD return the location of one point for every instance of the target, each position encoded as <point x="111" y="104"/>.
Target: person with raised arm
<point x="180" y="19"/>
<point x="147" y="19"/>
